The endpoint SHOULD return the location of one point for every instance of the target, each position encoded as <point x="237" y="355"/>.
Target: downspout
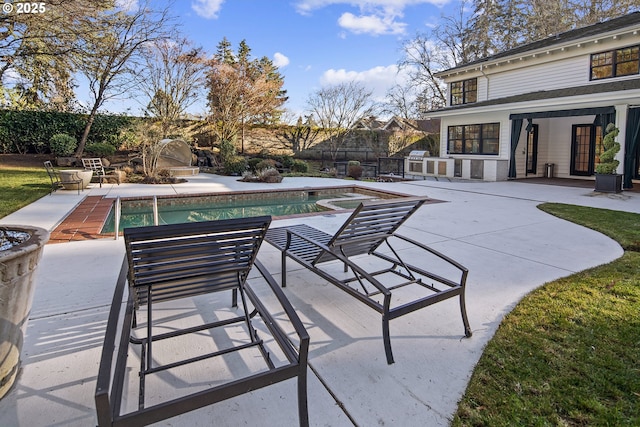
<point x="486" y="95"/>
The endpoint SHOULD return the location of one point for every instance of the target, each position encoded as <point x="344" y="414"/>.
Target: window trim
<point x="464" y="91"/>
<point x="480" y="132"/>
<point x="614" y="63"/>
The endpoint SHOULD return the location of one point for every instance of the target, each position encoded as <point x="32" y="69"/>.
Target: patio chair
<point x="57" y="182"/>
<point x="373" y="269"/>
<point x="222" y="355"/>
<point x="99" y="171"/>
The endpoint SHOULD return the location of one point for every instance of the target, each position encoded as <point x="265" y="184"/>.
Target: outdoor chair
<point x="99" y="171"/>
<point x="178" y="273"/>
<point x="57" y="182"/>
<point x="370" y="268"/>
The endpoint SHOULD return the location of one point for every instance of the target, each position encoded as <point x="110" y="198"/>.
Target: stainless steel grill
<point x="418" y="155"/>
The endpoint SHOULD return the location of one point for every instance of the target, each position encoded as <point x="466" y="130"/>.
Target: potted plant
<point x="607" y="180"/>
<point x="20" y="252"/>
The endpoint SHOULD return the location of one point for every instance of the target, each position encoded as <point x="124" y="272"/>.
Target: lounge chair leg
<point x="234" y="297"/>
<point x="387" y="339"/>
<point x="283" y="265"/>
<point x="303" y="410"/>
<point x="465" y="319"/>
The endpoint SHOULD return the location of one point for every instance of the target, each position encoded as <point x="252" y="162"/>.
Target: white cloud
<point x="207" y="8"/>
<point x="280" y="60"/>
<point x="376" y="17"/>
<point x="127" y="5"/>
<point x="371" y="24"/>
<point x="377" y="79"/>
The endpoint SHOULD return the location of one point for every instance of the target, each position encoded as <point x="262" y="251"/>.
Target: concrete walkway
<point x="495" y="229"/>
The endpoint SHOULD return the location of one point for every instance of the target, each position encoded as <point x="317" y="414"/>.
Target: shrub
<point x="227" y="151"/>
<point x="354" y="170"/>
<point x="235" y="165"/>
<point x="62" y="144"/>
<point x="253" y="162"/>
<point x="100" y="150"/>
<point x="266" y="164"/>
<point x="299" y="166"/>
<point x="608" y="163"/>
<point x="287" y="162"/>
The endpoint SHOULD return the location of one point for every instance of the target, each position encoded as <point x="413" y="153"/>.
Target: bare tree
<point x="113" y="44"/>
<point x="171" y="81"/>
<point x="300" y="136"/>
<point x="337" y="108"/>
<point x="401" y="101"/>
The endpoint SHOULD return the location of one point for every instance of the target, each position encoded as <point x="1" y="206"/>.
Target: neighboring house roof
<point x="550" y="94"/>
<point x="368" y="123"/>
<point x="561" y="38"/>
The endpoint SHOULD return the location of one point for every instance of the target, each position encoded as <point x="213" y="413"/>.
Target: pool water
<point x="138" y="213"/>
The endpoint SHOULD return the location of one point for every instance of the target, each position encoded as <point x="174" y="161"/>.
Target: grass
<point x="20" y="187"/>
<point x="569" y="353"/>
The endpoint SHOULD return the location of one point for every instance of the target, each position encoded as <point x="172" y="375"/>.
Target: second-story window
<point x="464" y="92"/>
<point x="615" y="63"/>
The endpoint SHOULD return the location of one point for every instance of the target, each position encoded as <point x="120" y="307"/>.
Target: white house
<point x="541" y="108"/>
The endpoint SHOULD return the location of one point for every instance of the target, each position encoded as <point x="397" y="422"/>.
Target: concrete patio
<point x="494" y="229"/>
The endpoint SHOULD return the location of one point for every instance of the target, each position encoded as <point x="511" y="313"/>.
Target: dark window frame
<point x="463" y="92"/>
<point x="614" y="61"/>
<point x="474" y="139"/>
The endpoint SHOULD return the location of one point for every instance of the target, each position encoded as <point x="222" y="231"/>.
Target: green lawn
<point x="569" y="353"/>
<point x="20" y="187"/>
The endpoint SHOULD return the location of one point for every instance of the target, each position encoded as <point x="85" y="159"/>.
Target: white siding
<point x="547" y="76"/>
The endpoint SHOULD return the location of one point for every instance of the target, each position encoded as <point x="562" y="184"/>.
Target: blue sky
<point x="313" y="42"/>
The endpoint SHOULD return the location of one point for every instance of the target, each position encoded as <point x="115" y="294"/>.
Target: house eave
<point x="545" y="48"/>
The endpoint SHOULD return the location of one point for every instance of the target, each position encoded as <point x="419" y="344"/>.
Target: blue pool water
<point x="138" y="213"/>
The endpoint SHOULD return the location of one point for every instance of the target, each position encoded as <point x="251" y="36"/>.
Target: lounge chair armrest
<point x="103" y="382"/>
<point x="434" y="252"/>
<point x="290" y="312"/>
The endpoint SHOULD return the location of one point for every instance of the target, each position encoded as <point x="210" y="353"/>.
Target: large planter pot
<point x="67" y="175"/>
<point x="608" y="183"/>
<point x="17" y="274"/>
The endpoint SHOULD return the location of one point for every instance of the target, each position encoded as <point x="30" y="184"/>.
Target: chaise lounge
<point x="192" y="350"/>
<point x="373" y="270"/>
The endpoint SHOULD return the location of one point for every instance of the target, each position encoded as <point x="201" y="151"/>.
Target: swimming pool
<point x="138" y="212"/>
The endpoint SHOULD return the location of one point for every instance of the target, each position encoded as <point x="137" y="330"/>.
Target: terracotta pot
<point x="17" y="273"/>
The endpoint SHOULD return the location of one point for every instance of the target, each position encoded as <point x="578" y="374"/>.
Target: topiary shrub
<point x="62" y="145"/>
<point x="608" y="163"/>
<point x="98" y="149"/>
<point x="235" y="165"/>
<point x="299" y="166"/>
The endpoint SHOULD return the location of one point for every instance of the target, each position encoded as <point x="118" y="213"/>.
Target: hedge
<point x="30" y="131"/>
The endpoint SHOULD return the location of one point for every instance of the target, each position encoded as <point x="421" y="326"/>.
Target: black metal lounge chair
<point x="369" y="232"/>
<point x="169" y="262"/>
<point x="56" y="181"/>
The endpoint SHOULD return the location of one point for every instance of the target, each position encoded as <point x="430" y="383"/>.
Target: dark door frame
<point x="591" y="147"/>
<point x="532" y="136"/>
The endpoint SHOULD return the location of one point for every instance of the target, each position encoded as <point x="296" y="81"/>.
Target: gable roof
<point x="632" y="19"/>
